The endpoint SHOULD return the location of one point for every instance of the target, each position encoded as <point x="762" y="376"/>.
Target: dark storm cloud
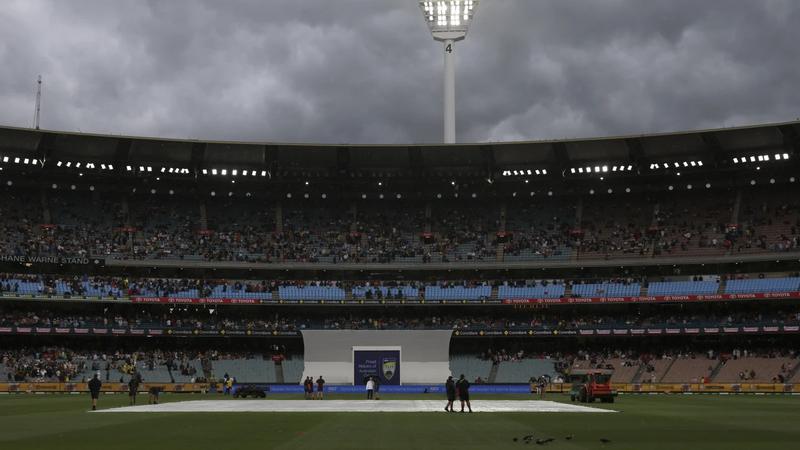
<point x="368" y="70"/>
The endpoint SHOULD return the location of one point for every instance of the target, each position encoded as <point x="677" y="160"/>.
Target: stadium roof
<point x="712" y="146"/>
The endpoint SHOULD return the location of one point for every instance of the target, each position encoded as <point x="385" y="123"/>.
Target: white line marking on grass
<point x="353" y="406"/>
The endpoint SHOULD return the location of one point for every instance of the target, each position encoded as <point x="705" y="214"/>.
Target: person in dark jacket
<point x="462" y="385"/>
<point x="450" y="389"/>
<point x="94" y="389"/>
<point x="133" y="387"/>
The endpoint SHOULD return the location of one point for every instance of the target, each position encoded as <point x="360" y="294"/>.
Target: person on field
<point x="154" y="391"/>
<point x="462" y="386"/>
<point x="94" y="389"/>
<point x="450" y="390"/>
<point x="370" y="388"/>
<point x="377" y="381"/>
<point x="320" y="387"/>
<point x="308" y="388"/>
<point x="542" y="383"/>
<point x="133" y="387"/>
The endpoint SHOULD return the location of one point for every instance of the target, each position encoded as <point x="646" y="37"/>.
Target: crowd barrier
<point x="628" y="388"/>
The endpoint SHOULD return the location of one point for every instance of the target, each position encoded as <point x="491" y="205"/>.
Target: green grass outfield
<point x="61" y="421"/>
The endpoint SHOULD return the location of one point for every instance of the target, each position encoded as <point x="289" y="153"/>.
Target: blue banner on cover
<point x="383" y="364"/>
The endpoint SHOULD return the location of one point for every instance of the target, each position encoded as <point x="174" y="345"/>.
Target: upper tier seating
<point x="763" y="285"/>
<point x="457" y="292"/>
<point x="538" y="291"/>
<point x="607" y="290"/>
<point x="683" y="288"/>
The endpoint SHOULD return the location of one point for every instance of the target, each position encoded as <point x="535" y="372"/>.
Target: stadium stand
<point x="472" y="367"/>
<point x="606" y="290"/>
<point x="690" y="369"/>
<point x="245" y="370"/>
<point x="747" y="286"/>
<point x="536" y="289"/>
<point x="752" y="368"/>
<point x="683" y="287"/>
<point x="293" y="369"/>
<point x="520" y="371"/>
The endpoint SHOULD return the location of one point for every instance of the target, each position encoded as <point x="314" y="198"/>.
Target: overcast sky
<point x="368" y="71"/>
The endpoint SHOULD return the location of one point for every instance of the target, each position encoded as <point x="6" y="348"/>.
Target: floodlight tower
<point x="448" y="21"/>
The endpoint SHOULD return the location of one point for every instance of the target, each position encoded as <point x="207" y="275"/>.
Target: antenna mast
<point x="38" y="103"/>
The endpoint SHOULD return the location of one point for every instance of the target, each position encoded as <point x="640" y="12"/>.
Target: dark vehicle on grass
<point x="250" y="390"/>
<point x="591" y="384"/>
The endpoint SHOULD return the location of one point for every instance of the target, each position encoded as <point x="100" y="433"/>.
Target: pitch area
<point x="642" y="422"/>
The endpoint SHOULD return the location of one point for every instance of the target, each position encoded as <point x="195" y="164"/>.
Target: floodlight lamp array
<point x="524" y="172"/>
<point x="448" y="15"/>
<point x="601" y="169"/>
<point x="675" y="165"/>
<point x="760" y="158"/>
<point x="19" y="160"/>
<point x="235" y="172"/>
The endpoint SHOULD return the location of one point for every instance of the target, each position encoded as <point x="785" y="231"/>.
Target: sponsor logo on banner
<point x="673" y="331"/>
<point x="119" y="331"/>
<point x="23" y="330"/>
<point x="710" y="330"/>
<point x="5" y="329"/>
<point x="750" y="329"/>
<point x="603" y="332"/>
<point x="155" y="332"/>
<point x="585" y="332"/>
<point x="62" y="330"/>
<point x="655" y="298"/>
<point x="99" y="330"/>
<point x="771" y="329"/>
<point x="136" y="332"/>
<point x="791" y="328"/>
<point x="654" y="331"/>
<point x="196" y="300"/>
<point x="389" y="367"/>
<point x="730" y="329"/>
<point x="43" y="329"/>
<point x="620" y="331"/>
<point x="691" y="330"/>
<point x="637" y="331"/>
<point x="80" y="330"/>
